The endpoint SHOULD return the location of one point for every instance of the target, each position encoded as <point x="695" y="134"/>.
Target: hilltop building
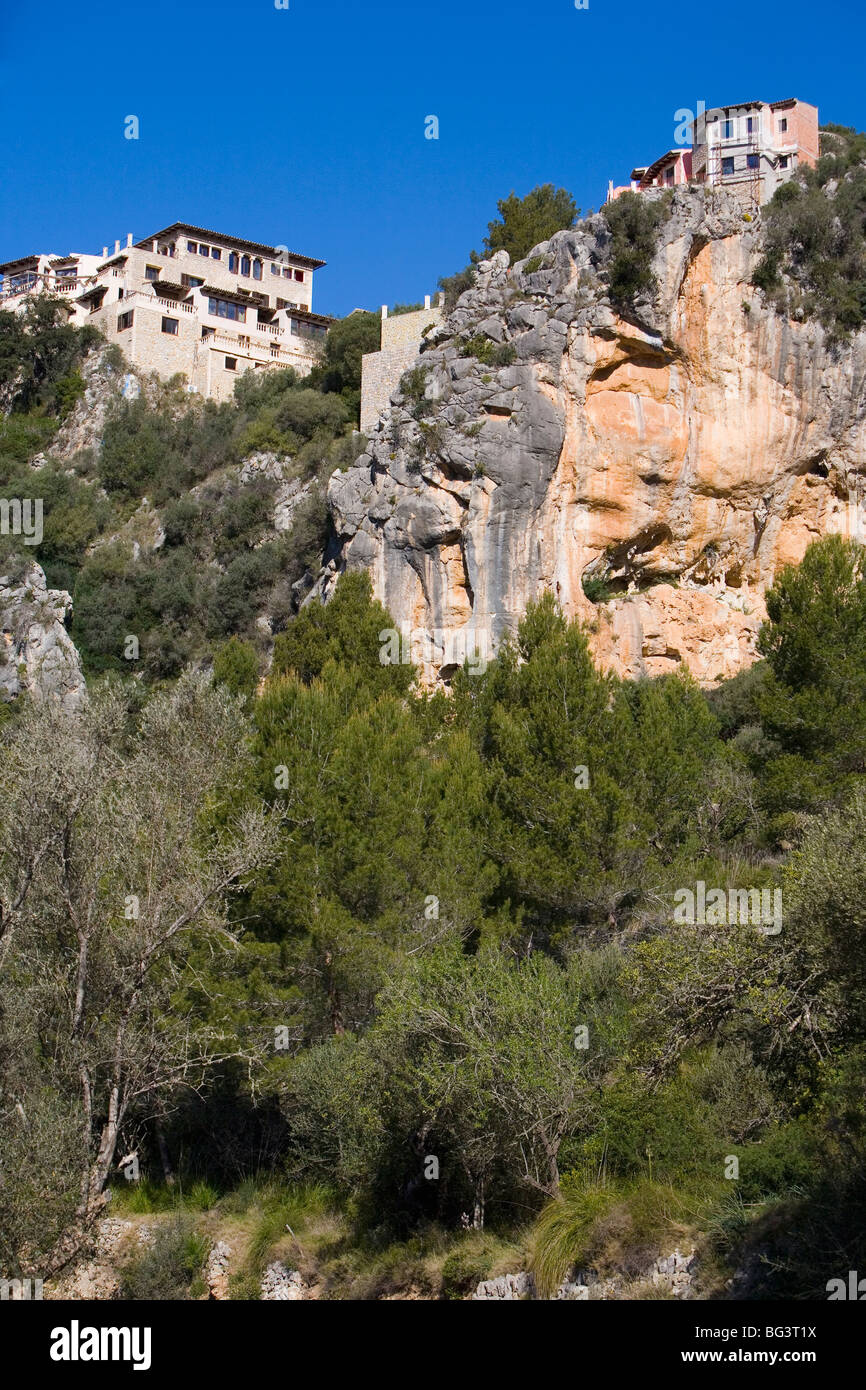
<point x="753" y="147"/>
<point x="186" y="300"/>
<point x="381" y="371"/>
<point x="670" y="169"/>
<point x="749" y="148"/>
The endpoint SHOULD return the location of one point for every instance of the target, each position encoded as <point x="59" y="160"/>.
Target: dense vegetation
<point x="400" y="975"/>
<point x="342" y="928"/>
<point x="814" y="260"/>
<point x="154" y="532"/>
<point x="633" y="220"/>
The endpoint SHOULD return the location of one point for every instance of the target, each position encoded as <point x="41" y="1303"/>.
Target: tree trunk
<point x="478" y="1208"/>
<point x="165" y="1159"/>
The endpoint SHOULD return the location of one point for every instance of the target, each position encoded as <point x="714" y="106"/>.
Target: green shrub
<point x="469" y="1263"/>
<point x="236" y="666"/>
<point x="814" y="246"/>
<point x="634" y="221"/>
<point x="596" y="589"/>
<point x="170" y="1268"/>
<point x="490" y="353"/>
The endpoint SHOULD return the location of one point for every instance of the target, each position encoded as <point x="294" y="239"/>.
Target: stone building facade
<point x="381" y="371"/>
<point x="187" y="301"/>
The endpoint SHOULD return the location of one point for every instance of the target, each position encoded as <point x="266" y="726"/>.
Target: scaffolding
<point x="753" y="165"/>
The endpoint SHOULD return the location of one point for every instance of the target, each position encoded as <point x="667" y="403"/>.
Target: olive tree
<point x="119" y="850"/>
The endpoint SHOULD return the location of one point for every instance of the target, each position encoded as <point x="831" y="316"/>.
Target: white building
<point x="186" y="300"/>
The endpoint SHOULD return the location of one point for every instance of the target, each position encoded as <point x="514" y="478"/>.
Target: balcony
<point x="140" y="298"/>
<point x="243" y="345"/>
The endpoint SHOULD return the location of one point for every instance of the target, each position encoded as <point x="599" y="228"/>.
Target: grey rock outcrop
<point x="676" y="455"/>
<point x="672" y="1274"/>
<point x="507" y="1286"/>
<point x="104" y="384"/>
<point x="283" y="1285"/>
<point x="37" y="655"/>
<point x="216" y="1270"/>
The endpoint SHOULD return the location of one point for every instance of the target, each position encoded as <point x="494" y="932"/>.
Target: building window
<point x="287" y="272"/>
<point x="753" y="161"/>
<point x="216" y="254"/>
<point x="750" y="124"/>
<point x="192" y="246"/>
<point x="203" y="250"/>
<point x="783" y="162"/>
<point x="224" y="309"/>
<point x="257" y="270"/>
<point x="783" y="124"/>
<point x="299" y="275"/>
<point x="231" y="364"/>
<point x="669" y="175"/>
<point x="169" y="326"/>
<point x="275" y="269"/>
<point x="124" y="320"/>
<point x="233" y="260"/>
<point x="728" y="131"/>
<point x="245" y="265"/>
<point x="120" y="292"/>
<point x="192" y="282"/>
<point x="151" y="272"/>
<point x="727" y="166"/>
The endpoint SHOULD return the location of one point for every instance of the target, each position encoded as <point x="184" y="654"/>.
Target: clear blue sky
<point x="305" y="126"/>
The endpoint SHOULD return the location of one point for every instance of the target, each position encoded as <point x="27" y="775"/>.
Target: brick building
<point x="186" y="300"/>
<point x="381" y="371"/>
<point x="753" y="147"/>
<point x="749" y="149"/>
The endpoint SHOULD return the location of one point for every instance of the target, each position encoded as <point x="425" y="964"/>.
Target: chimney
<point x="129" y="239"/>
<point x="384" y="311"/>
<point x="153" y="246"/>
<point x="426" y="301"/>
<point x="105" y="253"/>
<point x="116" y="247"/>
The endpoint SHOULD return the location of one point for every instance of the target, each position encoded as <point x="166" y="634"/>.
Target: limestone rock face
<point x="283" y="1285"/>
<point x="36" y="653"/>
<point x="669" y="462"/>
<point x="104" y="384"/>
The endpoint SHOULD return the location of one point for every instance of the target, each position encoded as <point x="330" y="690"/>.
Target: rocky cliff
<point x="36" y="652"/>
<point x="667" y="461"/>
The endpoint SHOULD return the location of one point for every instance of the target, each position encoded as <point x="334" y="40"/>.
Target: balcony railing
<point x="174" y="304"/>
<point x="243" y="346"/>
